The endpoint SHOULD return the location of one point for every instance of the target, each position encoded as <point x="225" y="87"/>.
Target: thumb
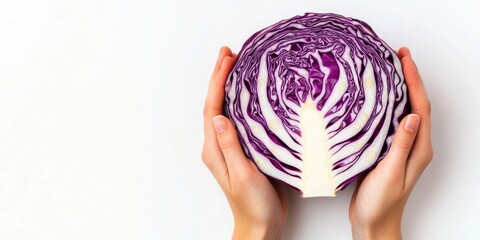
<point x="229" y="144"/>
<point x="402" y="143"/>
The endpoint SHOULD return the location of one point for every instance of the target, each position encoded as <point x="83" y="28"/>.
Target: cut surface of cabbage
<point x="316" y="100"/>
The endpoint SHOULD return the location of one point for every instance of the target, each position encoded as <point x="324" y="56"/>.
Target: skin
<point x="258" y="205"/>
<point x="378" y="202"/>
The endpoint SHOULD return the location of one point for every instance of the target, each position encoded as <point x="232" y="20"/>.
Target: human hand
<point x="258" y="206"/>
<point x="378" y="202"/>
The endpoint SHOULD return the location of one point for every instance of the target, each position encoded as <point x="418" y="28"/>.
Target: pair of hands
<point x="258" y="204"/>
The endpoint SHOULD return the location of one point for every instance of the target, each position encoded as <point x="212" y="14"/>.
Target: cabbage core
<point x="316" y="100"/>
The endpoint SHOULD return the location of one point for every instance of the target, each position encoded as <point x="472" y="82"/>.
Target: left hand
<point x="258" y="206"/>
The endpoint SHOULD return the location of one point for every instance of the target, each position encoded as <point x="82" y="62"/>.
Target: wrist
<point x="254" y="231"/>
<point x="385" y="230"/>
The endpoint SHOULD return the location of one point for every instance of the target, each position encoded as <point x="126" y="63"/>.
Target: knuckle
<point x="428" y="107"/>
<point x="285" y="214"/>
<point x="242" y="181"/>
<point x="206" y="110"/>
<point x="405" y="144"/>
<point x="206" y="157"/>
<point x="247" y="176"/>
<point x="392" y="178"/>
<point x="226" y="143"/>
<point x="425" y="156"/>
<point x="429" y="154"/>
<point x="210" y="111"/>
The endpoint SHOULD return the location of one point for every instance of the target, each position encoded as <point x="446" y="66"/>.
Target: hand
<point x="259" y="207"/>
<point x="377" y="204"/>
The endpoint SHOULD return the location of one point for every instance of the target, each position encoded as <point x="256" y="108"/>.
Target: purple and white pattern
<point x="316" y="100"/>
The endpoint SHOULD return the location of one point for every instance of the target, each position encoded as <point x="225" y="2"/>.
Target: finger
<point x="360" y="180"/>
<point x="224" y="52"/>
<point x="229" y="144"/>
<point x="421" y="153"/>
<point x="217" y="166"/>
<point x="402" y="52"/>
<point x="211" y="154"/>
<point x="418" y="161"/>
<point x="216" y="91"/>
<point x="214" y="106"/>
<point x="357" y="186"/>
<point x="395" y="162"/>
<point x="281" y="196"/>
<point x="416" y="90"/>
<point x="418" y="98"/>
<point x="416" y="166"/>
<point x="214" y="101"/>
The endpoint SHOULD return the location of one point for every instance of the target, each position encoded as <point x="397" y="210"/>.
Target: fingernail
<point x="219" y="124"/>
<point x="411" y="59"/>
<point x="408" y="51"/>
<point x="411" y="125"/>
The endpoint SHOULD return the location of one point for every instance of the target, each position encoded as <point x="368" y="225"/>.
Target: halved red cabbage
<point x="316" y="100"/>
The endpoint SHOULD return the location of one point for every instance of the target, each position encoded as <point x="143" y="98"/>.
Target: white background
<point x="101" y="117"/>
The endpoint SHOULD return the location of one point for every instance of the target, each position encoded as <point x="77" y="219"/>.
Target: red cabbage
<point x="316" y="100"/>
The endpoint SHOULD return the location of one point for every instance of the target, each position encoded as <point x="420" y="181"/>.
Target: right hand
<point x="378" y="202"/>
